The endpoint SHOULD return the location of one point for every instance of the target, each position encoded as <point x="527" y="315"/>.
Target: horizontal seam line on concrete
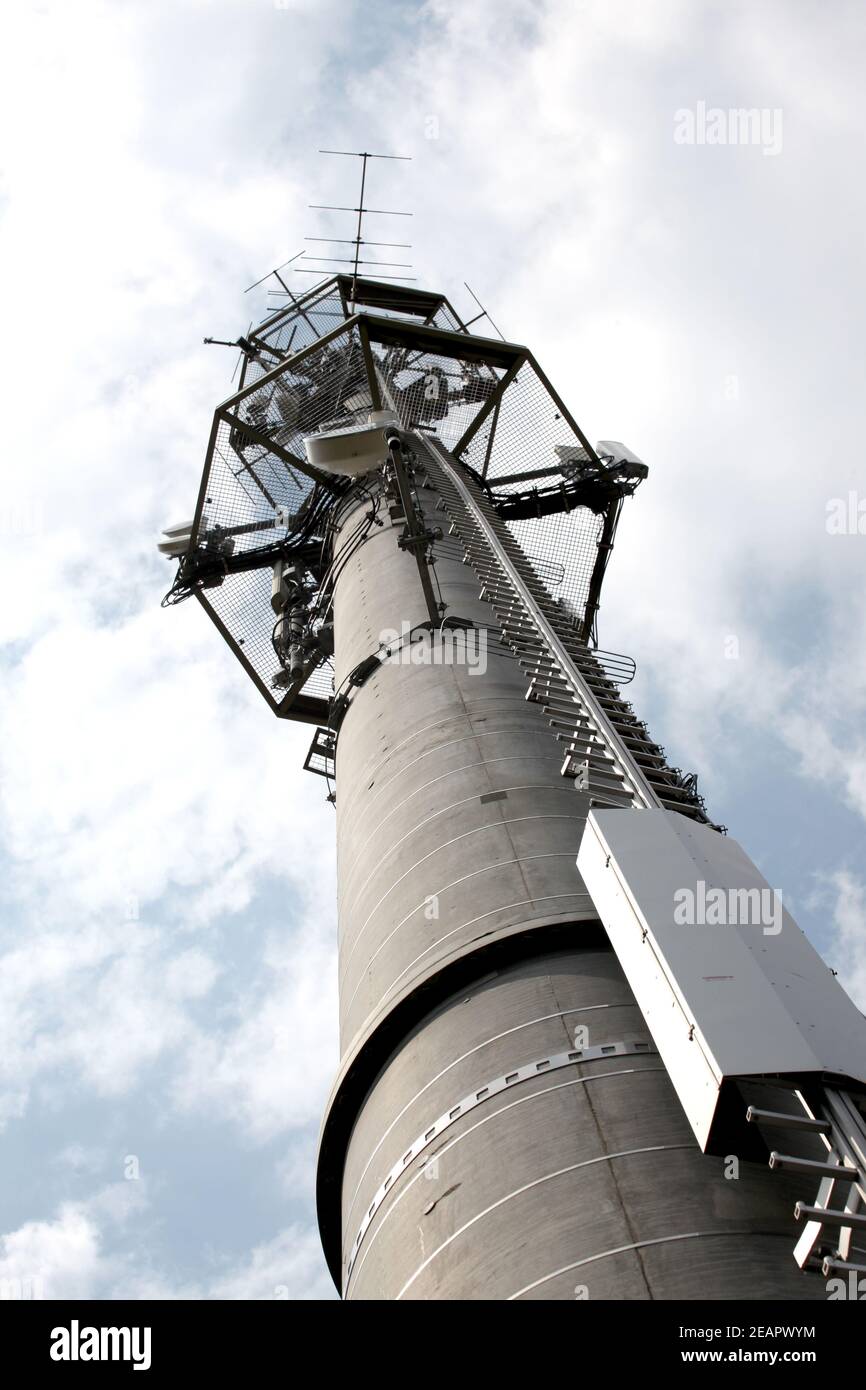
<point x="456" y="883"/>
<point x="464" y="801"/>
<point x="536" y="1182"/>
<point x="452" y="743"/>
<point x="511" y="1080"/>
<point x="505" y="907"/>
<point x="496" y="1037"/>
<point x="464" y="767"/>
<point x="446" y="844"/>
<point x="638" y="1245"/>
<point x="503" y="1109"/>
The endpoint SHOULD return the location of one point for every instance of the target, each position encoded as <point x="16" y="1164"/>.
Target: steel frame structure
<point x="419" y="338"/>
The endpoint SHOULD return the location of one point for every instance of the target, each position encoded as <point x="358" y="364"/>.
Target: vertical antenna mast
<point x="358" y="240"/>
<point x="364" y="158"/>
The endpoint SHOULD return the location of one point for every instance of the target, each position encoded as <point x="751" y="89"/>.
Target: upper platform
<point x="325" y="360"/>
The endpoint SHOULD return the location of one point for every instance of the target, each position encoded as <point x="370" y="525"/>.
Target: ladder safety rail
<point x="626" y="767"/>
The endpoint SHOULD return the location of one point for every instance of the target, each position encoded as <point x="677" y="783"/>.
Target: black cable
<point x="197" y="566"/>
<point x="355" y="540"/>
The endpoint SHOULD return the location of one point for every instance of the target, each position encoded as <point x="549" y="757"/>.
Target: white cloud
<point x="105" y="1003"/>
<point x="81" y="1158"/>
<point x="843" y="892"/>
<point x="94" y="1249"/>
<point x="271" y="1066"/>
<point x="289" y="1266"/>
<point x="65" y="1257"/>
<point x="52" y="1259"/>
<point x="156" y="768"/>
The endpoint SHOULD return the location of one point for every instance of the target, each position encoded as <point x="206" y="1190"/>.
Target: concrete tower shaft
<point x="453" y="822"/>
<point x="471" y="964"/>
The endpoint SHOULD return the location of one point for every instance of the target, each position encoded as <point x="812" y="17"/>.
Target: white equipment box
<point x="728" y="983"/>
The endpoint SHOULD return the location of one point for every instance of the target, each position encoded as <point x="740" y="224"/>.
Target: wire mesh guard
<point x="434" y="391"/>
<point x="523" y="441"/>
<point x="443" y="393"/>
<point x="487" y="403"/>
<point x="322" y="754"/>
<point x="258" y="487"/>
<point x="290" y="329"/>
<point x="307" y="318"/>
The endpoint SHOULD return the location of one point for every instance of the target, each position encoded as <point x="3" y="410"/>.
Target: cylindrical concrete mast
<point x="502" y="1125"/>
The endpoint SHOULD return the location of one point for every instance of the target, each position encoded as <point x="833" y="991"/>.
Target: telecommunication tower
<point x="553" y="1083"/>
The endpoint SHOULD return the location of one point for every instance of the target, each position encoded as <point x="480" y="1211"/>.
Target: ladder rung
<point x="775" y="1119"/>
<point x="684" y="808"/>
<point x="551" y="688"/>
<point x="605" y="777"/>
<point x="840" y="1171"/>
<point x="830" y="1263"/>
<point x="829" y="1216"/>
<point x="599" y="761"/>
<point x="543" y="672"/>
<point x="670" y="790"/>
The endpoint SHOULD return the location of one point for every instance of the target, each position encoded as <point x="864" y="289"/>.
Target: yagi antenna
<point x="246" y="348"/>
<point x="241" y="353"/>
<point x="358" y="241"/>
<point x="275" y="271"/>
<point x="483" y="315"/>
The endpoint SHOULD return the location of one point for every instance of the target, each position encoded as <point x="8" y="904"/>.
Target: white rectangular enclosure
<point x="728" y="983"/>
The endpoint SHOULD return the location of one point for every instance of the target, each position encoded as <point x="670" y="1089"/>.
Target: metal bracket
<point x="321" y="756"/>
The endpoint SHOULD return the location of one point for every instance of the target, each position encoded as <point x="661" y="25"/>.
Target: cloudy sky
<point x="167" y="988"/>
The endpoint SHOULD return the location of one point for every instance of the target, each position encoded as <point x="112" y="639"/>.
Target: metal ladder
<point x="608" y="750"/>
<point x="829" y="1230"/>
